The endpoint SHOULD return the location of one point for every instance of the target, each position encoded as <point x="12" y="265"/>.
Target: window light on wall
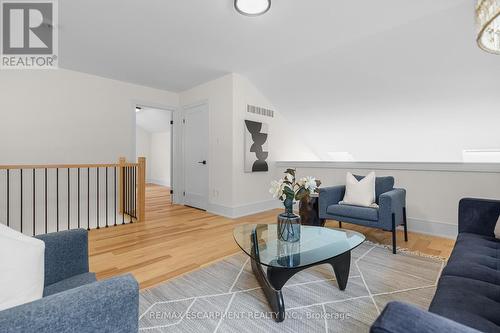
<point x="481" y="156"/>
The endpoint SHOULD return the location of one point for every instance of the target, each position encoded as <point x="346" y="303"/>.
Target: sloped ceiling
<point x="175" y="45"/>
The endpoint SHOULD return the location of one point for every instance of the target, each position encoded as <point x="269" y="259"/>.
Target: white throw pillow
<point x="22" y="268"/>
<point x="360" y="193"/>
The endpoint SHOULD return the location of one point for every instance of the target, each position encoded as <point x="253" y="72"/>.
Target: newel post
<point x="141" y="191"/>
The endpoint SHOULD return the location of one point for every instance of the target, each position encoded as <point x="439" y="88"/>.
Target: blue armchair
<point x="390" y="213"/>
<point x="73" y="301"/>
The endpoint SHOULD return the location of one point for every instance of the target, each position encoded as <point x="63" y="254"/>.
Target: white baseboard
<point x="158" y="182"/>
<point x="244" y="210"/>
<point x="433" y="228"/>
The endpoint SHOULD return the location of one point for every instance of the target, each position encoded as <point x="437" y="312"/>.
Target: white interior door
<point x="196" y="156"/>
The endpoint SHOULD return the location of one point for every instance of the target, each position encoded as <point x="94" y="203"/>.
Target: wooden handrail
<point x="64" y="166"/>
<point x="102" y="189"/>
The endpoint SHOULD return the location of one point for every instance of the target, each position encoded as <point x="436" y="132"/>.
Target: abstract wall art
<point x="256" y="146"/>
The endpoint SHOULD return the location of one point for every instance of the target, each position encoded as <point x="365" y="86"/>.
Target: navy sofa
<point x="73" y="301"/>
<point x="468" y="293"/>
<point x="390" y="213"/>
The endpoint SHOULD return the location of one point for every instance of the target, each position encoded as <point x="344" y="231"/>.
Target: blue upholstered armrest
<point x="66" y="254"/>
<point x="404" y="318"/>
<point x="105" y="306"/>
<point x="478" y="216"/>
<point x="392" y="202"/>
<point x="329" y="196"/>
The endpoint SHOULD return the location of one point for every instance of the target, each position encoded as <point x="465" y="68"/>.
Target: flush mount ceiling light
<point x="252" y="7"/>
<point x="488" y="21"/>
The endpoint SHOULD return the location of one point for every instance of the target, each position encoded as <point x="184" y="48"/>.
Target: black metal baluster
<point x="126" y="190"/>
<point x="134" y="195"/>
<point x="114" y="186"/>
<point x="97" y="197"/>
<point x="106" y="197"/>
<point x="57" y="199"/>
<point x="130" y="195"/>
<point x="135" y="192"/>
<point x="34" y="207"/>
<point x="129" y="210"/>
<point x="8" y="197"/>
<point x="21" y="200"/>
<point x="69" y="196"/>
<point x="88" y="198"/>
<point x="78" y="173"/>
<point x="46" y="200"/>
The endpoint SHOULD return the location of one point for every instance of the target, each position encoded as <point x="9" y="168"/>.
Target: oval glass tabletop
<point x="316" y="244"/>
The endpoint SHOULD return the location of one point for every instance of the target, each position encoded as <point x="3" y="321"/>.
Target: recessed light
<point x="252" y="7"/>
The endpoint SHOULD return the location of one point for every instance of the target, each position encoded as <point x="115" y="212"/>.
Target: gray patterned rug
<point x="225" y="297"/>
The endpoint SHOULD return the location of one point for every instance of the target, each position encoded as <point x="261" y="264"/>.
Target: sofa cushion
<point x="475" y="257"/>
<point x="382" y="185"/>
<point x="70" y="283"/>
<point x="363" y="213"/>
<point x="468" y="301"/>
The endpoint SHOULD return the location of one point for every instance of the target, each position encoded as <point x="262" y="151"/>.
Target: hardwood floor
<point x="176" y="239"/>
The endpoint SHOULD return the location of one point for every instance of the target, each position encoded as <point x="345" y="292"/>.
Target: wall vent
<point x="260" y="111"/>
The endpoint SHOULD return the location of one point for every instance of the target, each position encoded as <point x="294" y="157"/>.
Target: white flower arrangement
<point x="288" y="190"/>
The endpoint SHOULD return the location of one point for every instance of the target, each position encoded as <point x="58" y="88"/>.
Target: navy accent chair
<point x="73" y="301"/>
<point x="390" y="213"/>
<point x="467" y="298"/>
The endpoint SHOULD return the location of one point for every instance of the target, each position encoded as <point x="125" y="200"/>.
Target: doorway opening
<point x="154" y="138"/>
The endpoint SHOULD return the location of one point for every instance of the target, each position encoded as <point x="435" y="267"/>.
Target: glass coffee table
<point x="317" y="245"/>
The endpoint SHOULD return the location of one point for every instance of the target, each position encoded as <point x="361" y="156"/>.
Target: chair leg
<point x="405" y="224"/>
<point x="393" y="233"/>
<point x="340" y="225"/>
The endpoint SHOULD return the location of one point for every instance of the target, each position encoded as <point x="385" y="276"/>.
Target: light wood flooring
<point x="175" y="239"/>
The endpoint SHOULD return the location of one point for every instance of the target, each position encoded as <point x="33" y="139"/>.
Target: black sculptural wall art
<point x="256" y="152"/>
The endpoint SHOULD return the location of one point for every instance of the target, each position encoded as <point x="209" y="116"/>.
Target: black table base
<point x="273" y="281"/>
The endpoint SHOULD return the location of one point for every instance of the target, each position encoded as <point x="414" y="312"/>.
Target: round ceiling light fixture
<point x="252" y="7"/>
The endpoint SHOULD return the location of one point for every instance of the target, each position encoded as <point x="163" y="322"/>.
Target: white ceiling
<point x="177" y="44"/>
<point x="153" y="120"/>
<point x="340" y="70"/>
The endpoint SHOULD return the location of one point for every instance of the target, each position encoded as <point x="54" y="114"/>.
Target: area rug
<point x="225" y="296"/>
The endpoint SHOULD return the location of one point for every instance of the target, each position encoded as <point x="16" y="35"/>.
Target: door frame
<point x="173" y="136"/>
<point x="184" y="108"/>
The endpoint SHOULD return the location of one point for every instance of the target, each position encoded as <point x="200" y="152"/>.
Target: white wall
<point x="232" y="192"/>
<point x="156" y="147"/>
<point x="251" y="190"/>
<point x="143" y="147"/>
<point x="61" y="116"/>
<point x="160" y="158"/>
<point x="433" y="189"/>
